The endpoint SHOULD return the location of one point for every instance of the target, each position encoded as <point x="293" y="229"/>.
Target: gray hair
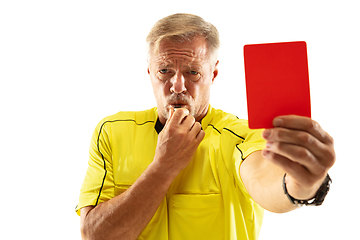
<point x="183" y="27"/>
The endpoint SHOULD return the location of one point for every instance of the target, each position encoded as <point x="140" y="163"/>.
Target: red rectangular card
<point x="277" y="82"/>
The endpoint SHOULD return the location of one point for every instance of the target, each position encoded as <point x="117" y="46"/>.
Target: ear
<point x="216" y="71"/>
<point x="148" y="66"/>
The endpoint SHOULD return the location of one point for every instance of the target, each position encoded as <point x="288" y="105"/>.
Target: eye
<point x="193" y="75"/>
<point x="163" y="71"/>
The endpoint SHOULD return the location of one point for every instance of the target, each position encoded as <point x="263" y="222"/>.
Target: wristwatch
<point x="315" y="201"/>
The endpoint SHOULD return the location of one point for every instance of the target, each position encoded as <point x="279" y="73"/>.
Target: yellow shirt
<point x="207" y="200"/>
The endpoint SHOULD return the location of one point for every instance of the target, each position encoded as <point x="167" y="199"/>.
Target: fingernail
<point x="186" y="111"/>
<point x="266" y="133"/>
<point x="269" y="144"/>
<point x="278" y="122"/>
<point x="265" y="152"/>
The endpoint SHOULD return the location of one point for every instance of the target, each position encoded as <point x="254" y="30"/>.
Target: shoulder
<point x="135" y="117"/>
<point x="236" y="132"/>
<point x="139" y="117"/>
<point x="226" y="122"/>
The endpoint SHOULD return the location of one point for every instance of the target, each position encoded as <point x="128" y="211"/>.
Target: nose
<point x="178" y="83"/>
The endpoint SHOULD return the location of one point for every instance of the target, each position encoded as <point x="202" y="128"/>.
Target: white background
<point x="64" y="65"/>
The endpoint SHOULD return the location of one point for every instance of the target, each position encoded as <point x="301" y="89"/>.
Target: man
<point x="185" y="170"/>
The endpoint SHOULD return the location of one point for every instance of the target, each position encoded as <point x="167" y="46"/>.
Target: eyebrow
<point x="169" y="64"/>
<point x="195" y="64"/>
<point x="164" y="64"/>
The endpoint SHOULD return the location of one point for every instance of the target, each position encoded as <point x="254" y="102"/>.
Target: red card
<point x="277" y="82"/>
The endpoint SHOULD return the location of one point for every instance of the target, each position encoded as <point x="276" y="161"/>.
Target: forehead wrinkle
<point x="171" y="57"/>
<point x="186" y="53"/>
<point x="187" y="63"/>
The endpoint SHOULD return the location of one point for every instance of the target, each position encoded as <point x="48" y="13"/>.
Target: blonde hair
<point x="183" y="27"/>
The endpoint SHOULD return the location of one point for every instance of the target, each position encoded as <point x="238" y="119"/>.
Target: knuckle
<point x="330" y="139"/>
<point x="200" y="136"/>
<point x="305" y="154"/>
<point x="305" y="138"/>
<point x="197" y="125"/>
<point x="330" y="158"/>
<point x="198" y="128"/>
<point x="333" y="157"/>
<point x="181" y="133"/>
<point x="184" y="132"/>
<point x="322" y="172"/>
<point x="311" y="125"/>
<point x="190" y="117"/>
<point x="173" y="128"/>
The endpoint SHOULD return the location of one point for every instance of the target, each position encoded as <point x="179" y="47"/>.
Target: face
<point x="181" y="75"/>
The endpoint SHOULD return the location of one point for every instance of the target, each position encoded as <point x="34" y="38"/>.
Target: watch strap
<point x="317" y="200"/>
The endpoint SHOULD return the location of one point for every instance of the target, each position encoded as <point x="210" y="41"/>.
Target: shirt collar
<point x="158" y="126"/>
<point x="204" y="122"/>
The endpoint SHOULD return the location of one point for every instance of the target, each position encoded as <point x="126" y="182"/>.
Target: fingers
<point x="303" y="150"/>
<point x="176" y="117"/>
<point x="171" y="112"/>
<point x="305" y="142"/>
<point x="197" y="132"/>
<point x="302" y="132"/>
<point x="296" y="154"/>
<point x="180" y="118"/>
<point x="302" y="141"/>
<point x="188" y="121"/>
<point x="293" y="168"/>
<point x="303" y="124"/>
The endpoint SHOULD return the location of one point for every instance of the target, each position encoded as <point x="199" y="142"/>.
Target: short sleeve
<point x="253" y="142"/>
<point x="98" y="185"/>
<point x="237" y="144"/>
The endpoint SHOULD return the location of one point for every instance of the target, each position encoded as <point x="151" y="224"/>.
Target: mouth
<point x="177" y="105"/>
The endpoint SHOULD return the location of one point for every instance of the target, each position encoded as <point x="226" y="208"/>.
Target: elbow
<point x="279" y="211"/>
<point x="94" y="227"/>
<point x="85" y="232"/>
<point x="91" y="230"/>
<point x="88" y="233"/>
<point x="280" y="208"/>
<point x="85" y="228"/>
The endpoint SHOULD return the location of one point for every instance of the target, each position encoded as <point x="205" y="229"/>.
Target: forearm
<point x="264" y="184"/>
<point x="125" y="216"/>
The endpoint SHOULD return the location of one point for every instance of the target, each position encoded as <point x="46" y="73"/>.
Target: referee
<point x="184" y="170"/>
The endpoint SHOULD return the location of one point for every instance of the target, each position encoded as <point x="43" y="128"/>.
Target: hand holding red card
<point x="277" y="82"/>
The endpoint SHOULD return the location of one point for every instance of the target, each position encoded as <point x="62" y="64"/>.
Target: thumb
<point x="171" y="113"/>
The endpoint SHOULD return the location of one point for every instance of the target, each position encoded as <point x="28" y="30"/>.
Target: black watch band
<point x="315" y="201"/>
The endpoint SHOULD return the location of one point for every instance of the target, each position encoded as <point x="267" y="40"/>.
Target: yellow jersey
<point x="207" y="200"/>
